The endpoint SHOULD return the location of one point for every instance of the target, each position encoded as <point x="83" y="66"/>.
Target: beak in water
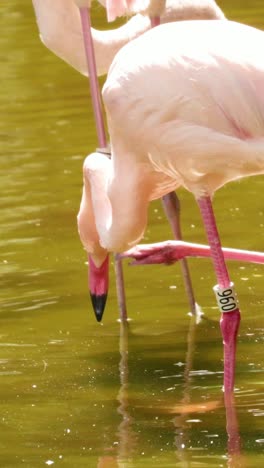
<point x="98" y="284"/>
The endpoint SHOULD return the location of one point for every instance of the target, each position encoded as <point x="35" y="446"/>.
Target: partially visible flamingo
<point x="60" y="28"/>
<point x="203" y="130"/>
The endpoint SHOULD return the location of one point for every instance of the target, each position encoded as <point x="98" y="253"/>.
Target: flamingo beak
<point x="98" y="285"/>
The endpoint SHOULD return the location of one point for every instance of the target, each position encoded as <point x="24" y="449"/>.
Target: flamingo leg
<point x="171" y="251"/>
<point x="230" y="313"/>
<point x="93" y="81"/>
<point x="120" y="289"/>
<point x="101" y="134"/>
<point x="171" y="205"/>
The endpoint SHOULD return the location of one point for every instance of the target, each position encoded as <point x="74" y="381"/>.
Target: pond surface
<point x="75" y="393"/>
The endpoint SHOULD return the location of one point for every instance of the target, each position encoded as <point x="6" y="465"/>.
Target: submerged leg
<point x="225" y="294"/>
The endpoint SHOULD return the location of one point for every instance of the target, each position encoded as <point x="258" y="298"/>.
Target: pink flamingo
<point x="55" y="17"/>
<point x="185" y="106"/>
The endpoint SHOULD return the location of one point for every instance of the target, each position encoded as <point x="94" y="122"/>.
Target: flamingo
<point x="185" y="107"/>
<point x="58" y="16"/>
<point x="60" y="28"/>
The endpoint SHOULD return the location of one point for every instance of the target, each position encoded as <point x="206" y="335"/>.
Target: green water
<point x="75" y="393"/>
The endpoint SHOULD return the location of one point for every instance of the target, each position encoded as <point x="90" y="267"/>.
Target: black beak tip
<point x="98" y="302"/>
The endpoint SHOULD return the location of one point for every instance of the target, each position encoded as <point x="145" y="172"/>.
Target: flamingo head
<point x="98" y="285"/>
<point x="95" y="176"/>
<point x="98" y="262"/>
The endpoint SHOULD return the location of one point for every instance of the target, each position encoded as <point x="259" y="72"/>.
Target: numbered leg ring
<point x="226" y="298"/>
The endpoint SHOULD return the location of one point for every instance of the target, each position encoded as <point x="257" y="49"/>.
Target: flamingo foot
<point x="229" y="325"/>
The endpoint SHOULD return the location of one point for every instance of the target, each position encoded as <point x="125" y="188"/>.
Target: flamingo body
<point x="185" y="106"/>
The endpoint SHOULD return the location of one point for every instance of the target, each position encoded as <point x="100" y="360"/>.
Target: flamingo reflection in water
<point x="181" y="410"/>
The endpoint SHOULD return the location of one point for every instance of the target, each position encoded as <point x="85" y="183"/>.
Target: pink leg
<point x="94" y="85"/>
<point x="232" y="429"/>
<point x="230" y="317"/>
<point x="120" y="289"/>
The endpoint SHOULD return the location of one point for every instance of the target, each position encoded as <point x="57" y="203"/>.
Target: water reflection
<point x="127" y="437"/>
<point x="232" y="428"/>
<point x="187" y="414"/>
<point x="182" y="422"/>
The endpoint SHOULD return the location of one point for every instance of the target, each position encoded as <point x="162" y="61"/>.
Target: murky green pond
<point x="75" y="393"/>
